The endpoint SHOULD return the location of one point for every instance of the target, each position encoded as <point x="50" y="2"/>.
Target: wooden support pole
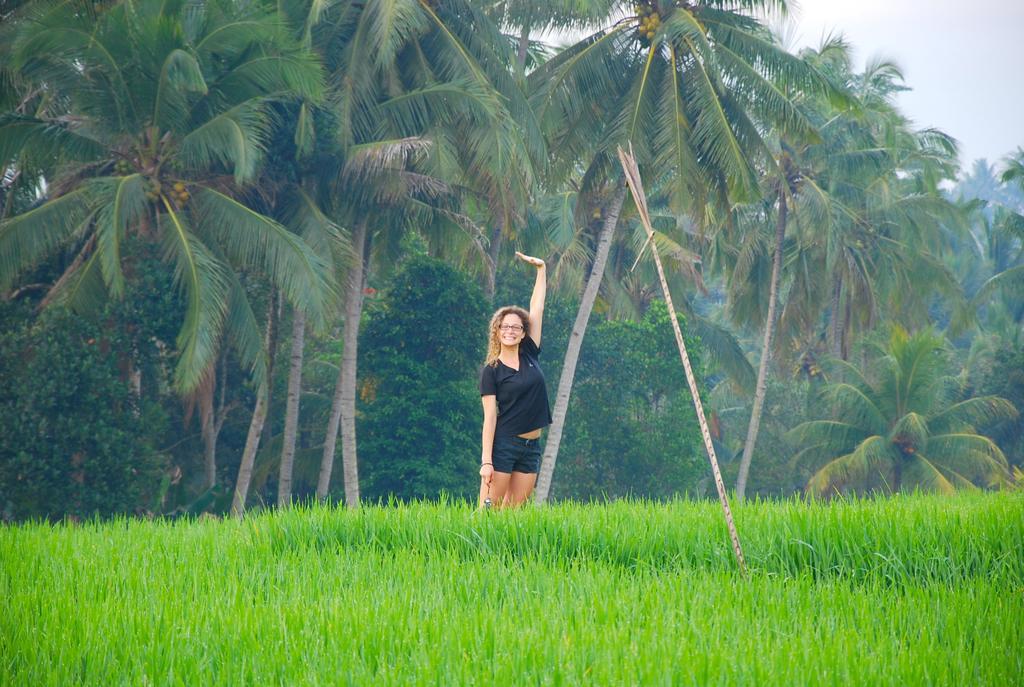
<point x="637" y="189"/>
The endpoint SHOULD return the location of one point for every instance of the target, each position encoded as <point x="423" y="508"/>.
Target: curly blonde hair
<point x="493" y="340"/>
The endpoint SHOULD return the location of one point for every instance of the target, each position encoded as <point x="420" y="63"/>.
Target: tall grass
<point x="916" y="590"/>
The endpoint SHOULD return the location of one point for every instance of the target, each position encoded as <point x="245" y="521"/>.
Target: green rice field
<point x="909" y="590"/>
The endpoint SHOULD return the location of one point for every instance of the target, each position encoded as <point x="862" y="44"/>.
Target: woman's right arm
<point x="490" y="404"/>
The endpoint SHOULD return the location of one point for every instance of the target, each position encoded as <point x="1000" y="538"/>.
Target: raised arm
<point x="540" y="287"/>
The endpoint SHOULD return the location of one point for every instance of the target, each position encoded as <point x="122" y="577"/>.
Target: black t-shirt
<point x="521" y="394"/>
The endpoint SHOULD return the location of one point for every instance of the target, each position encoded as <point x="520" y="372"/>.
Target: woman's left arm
<point x="540" y="287"/>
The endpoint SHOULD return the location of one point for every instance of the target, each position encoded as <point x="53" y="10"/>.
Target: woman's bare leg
<point x="498" y="490"/>
<point x="520" y="487"/>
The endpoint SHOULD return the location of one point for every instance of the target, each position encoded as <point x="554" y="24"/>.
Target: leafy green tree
<point x="634" y="429"/>
<point x="900" y="425"/>
<point x="77" y="440"/>
<point x="420" y="411"/>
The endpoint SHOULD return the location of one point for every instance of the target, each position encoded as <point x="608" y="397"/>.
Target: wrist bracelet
<point x="483" y="464"/>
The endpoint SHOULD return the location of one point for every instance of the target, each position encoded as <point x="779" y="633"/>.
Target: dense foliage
<point x="632" y="429"/>
<point x="76" y="440"/>
<point x="421" y="348"/>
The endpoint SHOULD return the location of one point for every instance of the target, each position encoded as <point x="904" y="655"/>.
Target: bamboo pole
<point x="637" y="189"/>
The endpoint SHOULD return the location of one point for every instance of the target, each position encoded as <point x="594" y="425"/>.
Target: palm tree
<point x="901" y="426"/>
<point x="417" y="91"/>
<point x="1005" y="244"/>
<point x="165" y="120"/>
<point x="304" y="215"/>
<point x="688" y="85"/>
<point x="495" y="165"/>
<point x="864" y="223"/>
<point x="785" y="180"/>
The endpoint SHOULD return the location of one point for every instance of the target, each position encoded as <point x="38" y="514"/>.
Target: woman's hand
<point x="487" y="473"/>
<point x="530" y="260"/>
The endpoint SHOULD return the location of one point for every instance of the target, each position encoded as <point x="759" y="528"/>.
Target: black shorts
<point x="516" y="454"/>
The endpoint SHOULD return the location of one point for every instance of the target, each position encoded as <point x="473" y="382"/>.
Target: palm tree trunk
<point x="343" y="403"/>
<point x="572" y="353"/>
<point x="524" y="47"/>
<point x="207" y="429"/>
<point x="493" y="251"/>
<point x="762" y="370"/>
<point x="135" y="376"/>
<point x="291" y="417"/>
<point x="844" y="331"/>
<point x="252" y="444"/>
<point x="834" y="329"/>
<point x="259" y="416"/>
<point x="272" y="335"/>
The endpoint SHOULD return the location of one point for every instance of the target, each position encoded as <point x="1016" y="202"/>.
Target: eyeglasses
<point x="511" y="327"/>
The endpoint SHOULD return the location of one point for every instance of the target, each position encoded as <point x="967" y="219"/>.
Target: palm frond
<point x="305" y="217"/>
<point x="391" y="25"/>
<point x="766" y="98"/>
<point x="227" y="37"/>
<point x="715" y="138"/>
<point x="30" y="236"/>
<point x="205" y="284"/>
<point x="368" y="160"/>
<point x="563" y="89"/>
<point x="295" y="75"/>
<point x="977" y="411"/>
<point x="912" y="428"/>
<point x="1013" y="170"/>
<point x="180" y="75"/>
<point x="66" y="51"/>
<point x="920" y="473"/>
<point x="724" y="350"/>
<point x="841" y="435"/>
<point x="416" y="110"/>
<point x="869" y="456"/>
<point x="255" y="241"/>
<point x="1009" y="279"/>
<point x="127" y="206"/>
<point x="81" y="287"/>
<point x="771" y="61"/>
<point x="44" y="139"/>
<point x="673" y="141"/>
<point x="235" y="138"/>
<point x="855" y="406"/>
<point x="967" y="454"/>
<point x="244" y="331"/>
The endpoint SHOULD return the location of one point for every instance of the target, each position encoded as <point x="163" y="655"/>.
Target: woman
<point x="515" y="399"/>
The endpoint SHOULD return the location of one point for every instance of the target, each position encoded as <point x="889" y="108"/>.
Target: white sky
<point x="964" y="60"/>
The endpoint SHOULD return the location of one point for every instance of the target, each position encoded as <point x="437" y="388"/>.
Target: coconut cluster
<point x="180" y="193"/>
<point x="177" y="191"/>
<point x="123" y="168"/>
<point x="650" y="20"/>
<point x="153" y="190"/>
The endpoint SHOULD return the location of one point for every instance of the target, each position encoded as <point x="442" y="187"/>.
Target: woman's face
<point x="510" y="330"/>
